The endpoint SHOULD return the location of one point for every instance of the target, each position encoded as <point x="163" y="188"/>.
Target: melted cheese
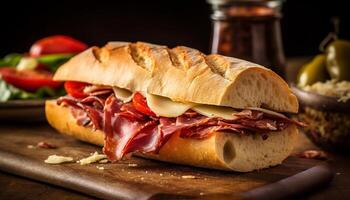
<point x="165" y="107"/>
<point x="123" y="94"/>
<point x="215" y="111"/>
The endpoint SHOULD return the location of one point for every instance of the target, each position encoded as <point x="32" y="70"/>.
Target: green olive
<point x="338" y="59"/>
<point x="313" y="71"/>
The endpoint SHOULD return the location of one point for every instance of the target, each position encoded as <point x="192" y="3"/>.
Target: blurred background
<point x="181" y="22"/>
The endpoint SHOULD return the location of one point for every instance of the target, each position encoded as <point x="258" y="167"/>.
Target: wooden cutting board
<point x="136" y="178"/>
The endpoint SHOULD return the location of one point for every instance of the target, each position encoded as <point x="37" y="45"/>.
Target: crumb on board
<point x="30" y="146"/>
<point x="313" y="154"/>
<point x="132" y="165"/>
<point x="55" y="159"/>
<point x="100" y="168"/>
<point x="103" y="161"/>
<point x="188" y="177"/>
<point x="95" y="157"/>
<point x="202" y="193"/>
<point x="46" y="145"/>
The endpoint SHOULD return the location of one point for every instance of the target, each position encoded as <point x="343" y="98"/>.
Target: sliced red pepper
<point x="140" y="104"/>
<point x="75" y="89"/>
<point x="28" y="80"/>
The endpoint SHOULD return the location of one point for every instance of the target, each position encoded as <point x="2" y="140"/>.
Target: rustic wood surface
<point x="15" y="187"/>
<point x="133" y="179"/>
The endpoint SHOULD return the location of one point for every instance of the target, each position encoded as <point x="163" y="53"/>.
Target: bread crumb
<point x="54" y="159"/>
<point x="100" y="168"/>
<point x="132" y="165"/>
<point x="142" y="178"/>
<point x="160" y="174"/>
<point x="202" y="193"/>
<point x="188" y="177"/>
<point x="92" y="159"/>
<point x="103" y="161"/>
<point x="313" y="154"/>
<point x="30" y="146"/>
<point x="46" y="145"/>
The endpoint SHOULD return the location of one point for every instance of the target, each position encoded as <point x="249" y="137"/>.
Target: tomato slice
<point x="75" y="89"/>
<point x="28" y="80"/>
<point x="140" y="104"/>
<point x="56" y="44"/>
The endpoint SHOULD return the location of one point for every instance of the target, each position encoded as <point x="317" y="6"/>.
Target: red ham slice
<point x="99" y="103"/>
<point x="127" y="130"/>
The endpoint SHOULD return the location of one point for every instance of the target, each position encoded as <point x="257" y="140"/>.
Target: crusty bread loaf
<point x="227" y="151"/>
<point x="182" y="74"/>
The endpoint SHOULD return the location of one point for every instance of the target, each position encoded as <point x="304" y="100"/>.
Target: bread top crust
<point x="182" y="74"/>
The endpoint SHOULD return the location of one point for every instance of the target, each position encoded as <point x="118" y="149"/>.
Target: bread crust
<point x="225" y="151"/>
<point x="182" y="74"/>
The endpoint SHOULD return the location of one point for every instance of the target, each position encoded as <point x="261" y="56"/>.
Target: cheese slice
<point x="165" y="107"/>
<point x="215" y="111"/>
<point x="123" y="94"/>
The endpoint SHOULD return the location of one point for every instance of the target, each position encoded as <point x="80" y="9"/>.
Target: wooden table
<point x="14" y="187"/>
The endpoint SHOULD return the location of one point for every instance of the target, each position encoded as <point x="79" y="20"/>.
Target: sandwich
<point x="176" y="105"/>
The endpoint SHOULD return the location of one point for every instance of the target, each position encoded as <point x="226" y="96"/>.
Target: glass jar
<point x="250" y="30"/>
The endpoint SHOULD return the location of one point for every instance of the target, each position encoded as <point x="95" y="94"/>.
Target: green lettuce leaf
<point x="10" y="60"/>
<point x="9" y="92"/>
<point x="53" y="61"/>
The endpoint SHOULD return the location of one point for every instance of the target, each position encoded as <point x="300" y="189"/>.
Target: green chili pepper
<point x="338" y="59"/>
<point x="313" y="71"/>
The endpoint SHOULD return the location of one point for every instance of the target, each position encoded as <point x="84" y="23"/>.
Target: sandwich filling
<point x="131" y="125"/>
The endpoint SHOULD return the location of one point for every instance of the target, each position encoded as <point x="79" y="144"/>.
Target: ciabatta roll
<point x="207" y="111"/>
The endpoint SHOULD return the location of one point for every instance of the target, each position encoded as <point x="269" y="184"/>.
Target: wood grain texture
<point x="136" y="178"/>
<point x="15" y="187"/>
<point x="23" y="110"/>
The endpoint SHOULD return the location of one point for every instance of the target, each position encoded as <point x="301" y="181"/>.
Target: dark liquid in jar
<point x="255" y="39"/>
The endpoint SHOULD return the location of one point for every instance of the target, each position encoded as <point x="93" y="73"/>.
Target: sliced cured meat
<point x="133" y="127"/>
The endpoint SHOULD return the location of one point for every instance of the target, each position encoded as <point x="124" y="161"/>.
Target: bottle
<point x="250" y="30"/>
